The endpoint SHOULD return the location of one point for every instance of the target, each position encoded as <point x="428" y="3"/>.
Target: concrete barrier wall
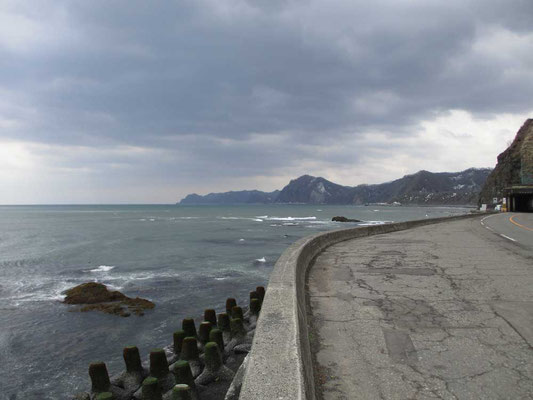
<point x="280" y="363"/>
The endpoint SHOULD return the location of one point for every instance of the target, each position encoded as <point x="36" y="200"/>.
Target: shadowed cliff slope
<point x="514" y="167"/>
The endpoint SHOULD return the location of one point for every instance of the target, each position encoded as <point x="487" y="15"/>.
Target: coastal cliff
<point x="423" y="187"/>
<point x="514" y="167"/>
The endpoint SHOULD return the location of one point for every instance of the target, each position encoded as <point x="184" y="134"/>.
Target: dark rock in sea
<point x="344" y="219"/>
<point x="96" y="296"/>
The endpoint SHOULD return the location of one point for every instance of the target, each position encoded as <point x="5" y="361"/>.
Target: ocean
<point x="183" y="258"/>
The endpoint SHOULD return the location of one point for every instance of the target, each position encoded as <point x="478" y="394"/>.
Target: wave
<point x="370" y="223"/>
<point x="257" y="219"/>
<point x="103" y="268"/>
<point x="290" y="218"/>
<point x="261" y="260"/>
<point x="262" y="216"/>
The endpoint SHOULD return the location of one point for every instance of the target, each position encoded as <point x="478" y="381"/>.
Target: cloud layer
<point x="135" y="101"/>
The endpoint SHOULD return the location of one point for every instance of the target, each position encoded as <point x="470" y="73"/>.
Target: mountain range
<point x="423" y="187"/>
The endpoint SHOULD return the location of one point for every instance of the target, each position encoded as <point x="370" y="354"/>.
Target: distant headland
<point x="421" y="188"/>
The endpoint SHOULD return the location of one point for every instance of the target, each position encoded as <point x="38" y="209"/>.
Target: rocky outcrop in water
<point x="514" y="167"/>
<point x="344" y="219"/>
<point x="95" y="296"/>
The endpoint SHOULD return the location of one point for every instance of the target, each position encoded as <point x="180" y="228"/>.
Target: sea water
<point x="183" y="258"/>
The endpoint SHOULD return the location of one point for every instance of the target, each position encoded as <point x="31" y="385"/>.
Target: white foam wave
<point x="256" y="219"/>
<point x="290" y="224"/>
<point x="261" y="260"/>
<point x="262" y="216"/>
<point x="103" y="268"/>
<point x="241" y="240"/>
<point x="291" y="218"/>
<point x="113" y="287"/>
<point x="370" y="223"/>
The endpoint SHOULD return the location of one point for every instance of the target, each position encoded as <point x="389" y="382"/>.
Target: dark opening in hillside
<point x="522" y="202"/>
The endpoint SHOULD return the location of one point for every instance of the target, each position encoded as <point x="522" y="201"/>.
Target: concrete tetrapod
<point x="150" y="389"/>
<point x="255" y="306"/>
<point x="182" y="372"/>
<point x="159" y="369"/>
<point x="238" y="334"/>
<point x="260" y="290"/>
<point x="230" y="303"/>
<point x="224" y="325"/>
<point x="210" y="316"/>
<point x="178" y="337"/>
<point x="236" y="384"/>
<point x="189" y="352"/>
<point x="188" y="326"/>
<point x="236" y="312"/>
<point x="132" y="378"/>
<point x="203" y="332"/>
<point x="254" y="295"/>
<point x="100" y="382"/>
<point x="214" y="369"/>
<point x="253" y="313"/>
<point x="216" y="336"/>
<point x="105" y="396"/>
<point x="181" y="392"/>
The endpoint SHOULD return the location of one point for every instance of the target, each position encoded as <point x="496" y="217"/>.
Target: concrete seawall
<point x="280" y="364"/>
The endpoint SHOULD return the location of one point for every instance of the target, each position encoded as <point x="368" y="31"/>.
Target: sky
<point x="141" y="101"/>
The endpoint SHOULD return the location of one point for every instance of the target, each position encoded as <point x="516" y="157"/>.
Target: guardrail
<point x="280" y="364"/>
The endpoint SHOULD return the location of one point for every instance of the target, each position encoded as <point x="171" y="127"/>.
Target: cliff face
<point x="426" y="187"/>
<point x="514" y="167"/>
<point x="311" y="190"/>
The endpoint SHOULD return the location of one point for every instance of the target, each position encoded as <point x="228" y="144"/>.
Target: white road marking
<point x="507" y="237"/>
<point x="488" y="216"/>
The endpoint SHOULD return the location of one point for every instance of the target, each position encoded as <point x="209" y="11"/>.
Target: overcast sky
<point x="140" y="101"/>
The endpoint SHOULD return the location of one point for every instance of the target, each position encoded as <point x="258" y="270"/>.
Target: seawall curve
<point x="280" y="364"/>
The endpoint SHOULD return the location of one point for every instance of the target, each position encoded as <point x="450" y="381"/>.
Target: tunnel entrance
<point x="520" y="198"/>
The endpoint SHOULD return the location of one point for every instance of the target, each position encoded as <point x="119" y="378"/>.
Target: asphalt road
<point x="443" y="311"/>
<point x="515" y="227"/>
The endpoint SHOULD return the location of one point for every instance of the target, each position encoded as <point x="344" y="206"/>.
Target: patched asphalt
<point x="443" y="311"/>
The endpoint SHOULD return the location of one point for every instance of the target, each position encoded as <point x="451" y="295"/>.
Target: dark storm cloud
<point x="156" y="74"/>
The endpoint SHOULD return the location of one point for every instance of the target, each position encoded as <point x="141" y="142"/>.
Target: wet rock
<point x="96" y="296"/>
<point x="344" y="219"/>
